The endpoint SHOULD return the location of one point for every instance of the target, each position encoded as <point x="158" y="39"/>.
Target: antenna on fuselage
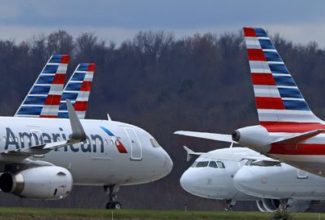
<point x="108" y="117"/>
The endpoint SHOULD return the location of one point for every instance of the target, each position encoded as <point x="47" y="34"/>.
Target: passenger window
<point x="213" y="164"/>
<point x="202" y="164"/>
<point x="220" y="164"/>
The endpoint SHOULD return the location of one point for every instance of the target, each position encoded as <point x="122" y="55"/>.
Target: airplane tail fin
<point x="77" y="90"/>
<point x="277" y="96"/>
<point x="43" y="99"/>
<point x="190" y="153"/>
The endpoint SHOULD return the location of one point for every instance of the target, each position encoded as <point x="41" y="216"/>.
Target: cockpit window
<point x="263" y="163"/>
<point x="213" y="164"/>
<point x="194" y="164"/>
<point x="202" y="164"/>
<point x="220" y="164"/>
<point x="249" y="162"/>
<point x="154" y="143"/>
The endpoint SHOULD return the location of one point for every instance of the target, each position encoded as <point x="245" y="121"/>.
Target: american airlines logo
<point x="120" y="146"/>
<point x="94" y="142"/>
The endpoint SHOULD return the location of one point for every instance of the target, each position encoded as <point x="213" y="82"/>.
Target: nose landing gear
<point x="112" y="191"/>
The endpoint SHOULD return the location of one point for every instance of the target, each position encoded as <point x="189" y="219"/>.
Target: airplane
<point x="211" y="175"/>
<point x="279" y="182"/>
<point x="288" y="130"/>
<point x="240" y="174"/>
<point x="42" y="157"/>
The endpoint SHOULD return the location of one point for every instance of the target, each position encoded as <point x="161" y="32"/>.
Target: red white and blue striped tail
<point x="77" y="90"/>
<point x="278" y="98"/>
<point x="43" y="99"/>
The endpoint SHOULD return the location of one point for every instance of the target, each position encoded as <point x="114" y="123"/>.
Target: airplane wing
<point x="78" y="135"/>
<point x="206" y="135"/>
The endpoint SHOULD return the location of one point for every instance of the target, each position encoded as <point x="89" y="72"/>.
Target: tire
<point x="117" y="205"/>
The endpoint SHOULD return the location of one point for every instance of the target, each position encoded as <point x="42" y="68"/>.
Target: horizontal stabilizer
<point x="206" y="135"/>
<point x="190" y="153"/>
<point x="299" y="137"/>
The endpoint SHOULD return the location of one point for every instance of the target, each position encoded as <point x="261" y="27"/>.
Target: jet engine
<point x="46" y="182"/>
<point x="271" y="205"/>
<point x="256" y="137"/>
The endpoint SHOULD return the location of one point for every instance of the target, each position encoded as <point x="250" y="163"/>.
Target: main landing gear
<point x="112" y="195"/>
<point x="283" y="206"/>
<point x="229" y="204"/>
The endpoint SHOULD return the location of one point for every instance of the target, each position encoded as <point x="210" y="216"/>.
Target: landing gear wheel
<point x="113" y="205"/>
<point x="112" y="195"/>
<point x="283" y="206"/>
<point x="117" y="205"/>
<point x="229" y="204"/>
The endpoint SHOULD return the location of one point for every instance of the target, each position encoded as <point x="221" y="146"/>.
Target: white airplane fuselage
<point x="101" y="160"/>
<point x="278" y="182"/>
<point x="241" y="182"/>
<point x="217" y="183"/>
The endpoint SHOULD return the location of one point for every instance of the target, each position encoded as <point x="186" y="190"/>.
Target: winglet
<point x="109" y="117"/>
<point x="190" y="153"/>
<point x="78" y="132"/>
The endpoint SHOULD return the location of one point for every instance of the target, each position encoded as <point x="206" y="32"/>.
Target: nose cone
<point x="188" y="181"/>
<point x="168" y="164"/>
<point x="162" y="164"/>
<point x="198" y="183"/>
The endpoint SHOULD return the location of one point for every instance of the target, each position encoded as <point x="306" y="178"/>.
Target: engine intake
<point x="255" y="137"/>
<point x="271" y="205"/>
<point x="235" y="136"/>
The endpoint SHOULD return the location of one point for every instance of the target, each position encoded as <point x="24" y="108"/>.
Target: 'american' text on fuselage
<point x="20" y="140"/>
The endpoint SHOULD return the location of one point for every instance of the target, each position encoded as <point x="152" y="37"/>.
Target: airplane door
<point x="136" y="149"/>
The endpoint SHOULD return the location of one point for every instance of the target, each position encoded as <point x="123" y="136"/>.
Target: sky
<point x="300" y="21"/>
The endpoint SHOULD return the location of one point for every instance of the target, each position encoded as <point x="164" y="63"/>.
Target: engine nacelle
<point x="271" y="205"/>
<point x="46" y="182"/>
<point x="256" y="137"/>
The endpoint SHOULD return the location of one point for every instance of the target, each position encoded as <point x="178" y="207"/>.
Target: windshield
<point x="208" y="163"/>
